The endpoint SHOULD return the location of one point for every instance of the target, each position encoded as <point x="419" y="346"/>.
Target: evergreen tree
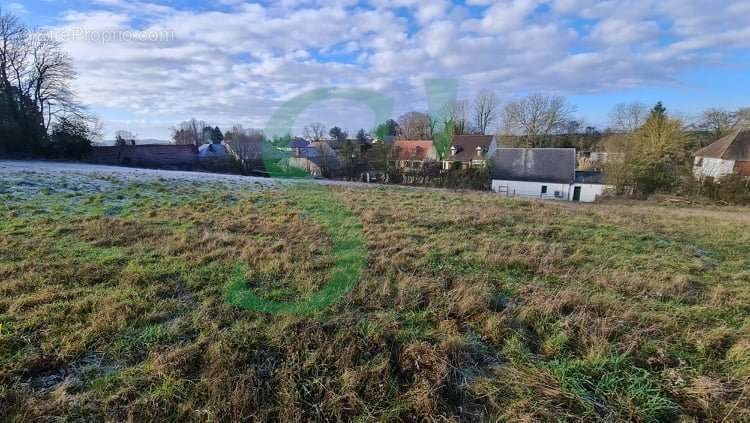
<point x="71" y="138"/>
<point x="653" y="158"/>
<point x="362" y="137"/>
<point x="21" y="124"/>
<point x="658" y="112"/>
<point x="338" y="134"/>
<point x="389" y="128"/>
<point x="216" y="136"/>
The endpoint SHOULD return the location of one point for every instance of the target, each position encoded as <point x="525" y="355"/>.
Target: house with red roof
<point x="413" y="153"/>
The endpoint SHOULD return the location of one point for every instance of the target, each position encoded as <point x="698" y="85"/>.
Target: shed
<point x="546" y="173"/>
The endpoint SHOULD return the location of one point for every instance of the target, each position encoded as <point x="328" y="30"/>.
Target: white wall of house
<point x="716" y="168"/>
<point x="531" y="189"/>
<point x="589" y="192"/>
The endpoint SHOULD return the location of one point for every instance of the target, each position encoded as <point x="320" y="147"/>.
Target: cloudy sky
<point x="145" y="66"/>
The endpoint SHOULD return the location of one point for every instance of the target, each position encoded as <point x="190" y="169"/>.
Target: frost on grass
<point x="469" y="308"/>
<point x="77" y="375"/>
<point x="108" y="192"/>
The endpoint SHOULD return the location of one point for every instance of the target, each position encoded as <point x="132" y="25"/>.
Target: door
<point x="577" y="194"/>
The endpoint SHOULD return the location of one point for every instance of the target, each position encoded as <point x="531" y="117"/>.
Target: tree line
<point x="39" y="115"/>
<point x="651" y="150"/>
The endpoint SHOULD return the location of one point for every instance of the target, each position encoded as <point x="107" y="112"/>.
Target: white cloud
<point x="504" y="15"/>
<point x="16" y="8"/>
<point x="620" y="31"/>
<point x="239" y="61"/>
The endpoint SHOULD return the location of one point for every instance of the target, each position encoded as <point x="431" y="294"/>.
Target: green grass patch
<point x="349" y="252"/>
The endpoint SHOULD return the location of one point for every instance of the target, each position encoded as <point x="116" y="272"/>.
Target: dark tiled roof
<point x="167" y="155"/>
<point x="466" y="146"/>
<point x="734" y="146"/>
<point x="317" y="149"/>
<point x="586" y="177"/>
<point x="299" y="143"/>
<point x="534" y="164"/>
<point x="321" y="154"/>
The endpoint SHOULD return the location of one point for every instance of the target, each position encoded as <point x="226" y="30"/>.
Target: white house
<point x="547" y="173"/>
<point x="729" y="155"/>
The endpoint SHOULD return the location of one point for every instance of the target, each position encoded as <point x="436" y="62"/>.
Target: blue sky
<point x="235" y="62"/>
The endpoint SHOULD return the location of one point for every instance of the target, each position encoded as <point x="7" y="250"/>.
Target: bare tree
<point x="35" y="75"/>
<point x="456" y="113"/>
<point x="416" y="125"/>
<point x="743" y="116"/>
<point x="628" y="117"/>
<point x="49" y="80"/>
<point x="485" y="111"/>
<point x="190" y="132"/>
<point x="717" y="121"/>
<point x="315" y="131"/>
<point x="123" y="137"/>
<point x="14" y="53"/>
<point x="246" y="144"/>
<point x="537" y="116"/>
<point x="239" y="134"/>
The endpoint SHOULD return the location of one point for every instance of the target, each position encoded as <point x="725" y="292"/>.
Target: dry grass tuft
<point x="470" y="308"/>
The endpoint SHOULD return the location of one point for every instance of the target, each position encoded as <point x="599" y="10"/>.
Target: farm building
<point x="470" y="150"/>
<point x="174" y="156"/>
<point x="547" y="173"/>
<point x="729" y="155"/>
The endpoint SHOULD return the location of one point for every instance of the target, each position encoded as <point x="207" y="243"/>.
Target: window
<point x="544" y="189"/>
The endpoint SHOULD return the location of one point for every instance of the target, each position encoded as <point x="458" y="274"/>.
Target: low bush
<point x="730" y="189"/>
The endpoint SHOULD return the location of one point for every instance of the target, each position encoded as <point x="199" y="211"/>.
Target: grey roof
<point x="734" y="146"/>
<point x="212" y="150"/>
<point x="299" y="143"/>
<point x="317" y="153"/>
<point x="534" y="164"/>
<point x="589" y="177"/>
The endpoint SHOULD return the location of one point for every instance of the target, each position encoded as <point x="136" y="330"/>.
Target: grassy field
<point x="116" y="303"/>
